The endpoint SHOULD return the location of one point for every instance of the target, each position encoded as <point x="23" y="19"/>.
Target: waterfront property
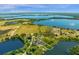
<point x="33" y="34"/>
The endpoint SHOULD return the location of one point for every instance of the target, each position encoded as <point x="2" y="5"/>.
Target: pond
<point x="61" y="48"/>
<point x="4" y="31"/>
<point x="10" y="45"/>
<point x="62" y="23"/>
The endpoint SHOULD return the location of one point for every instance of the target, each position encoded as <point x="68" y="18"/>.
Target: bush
<point x="74" y="50"/>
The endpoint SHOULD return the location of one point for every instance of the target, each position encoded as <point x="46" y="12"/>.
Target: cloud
<point x="20" y="11"/>
<point x="38" y="7"/>
<point x="7" y="6"/>
<point x="14" y="7"/>
<point x="63" y="6"/>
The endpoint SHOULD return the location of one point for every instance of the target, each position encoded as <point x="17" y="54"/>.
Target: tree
<point x="74" y="50"/>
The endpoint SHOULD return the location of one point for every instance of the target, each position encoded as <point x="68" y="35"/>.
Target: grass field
<point x="31" y="29"/>
<point x="42" y="37"/>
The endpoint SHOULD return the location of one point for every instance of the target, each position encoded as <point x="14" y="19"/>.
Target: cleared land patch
<point x="31" y="29"/>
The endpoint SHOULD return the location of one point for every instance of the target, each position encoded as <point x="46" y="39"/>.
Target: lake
<point x="62" y="23"/>
<point x="61" y="48"/>
<point x="35" y="16"/>
<point x="10" y="45"/>
<point x="22" y="16"/>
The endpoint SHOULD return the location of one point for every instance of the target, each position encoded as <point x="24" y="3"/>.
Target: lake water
<point x="10" y="45"/>
<point x="38" y="16"/>
<point x="61" y="48"/>
<point x="23" y="16"/>
<point x="62" y="23"/>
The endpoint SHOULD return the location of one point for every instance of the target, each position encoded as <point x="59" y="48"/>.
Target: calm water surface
<point x="61" y="48"/>
<point x="38" y="16"/>
<point x="62" y="23"/>
<point x="10" y="45"/>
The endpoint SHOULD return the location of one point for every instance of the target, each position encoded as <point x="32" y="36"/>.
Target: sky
<point x="39" y="8"/>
